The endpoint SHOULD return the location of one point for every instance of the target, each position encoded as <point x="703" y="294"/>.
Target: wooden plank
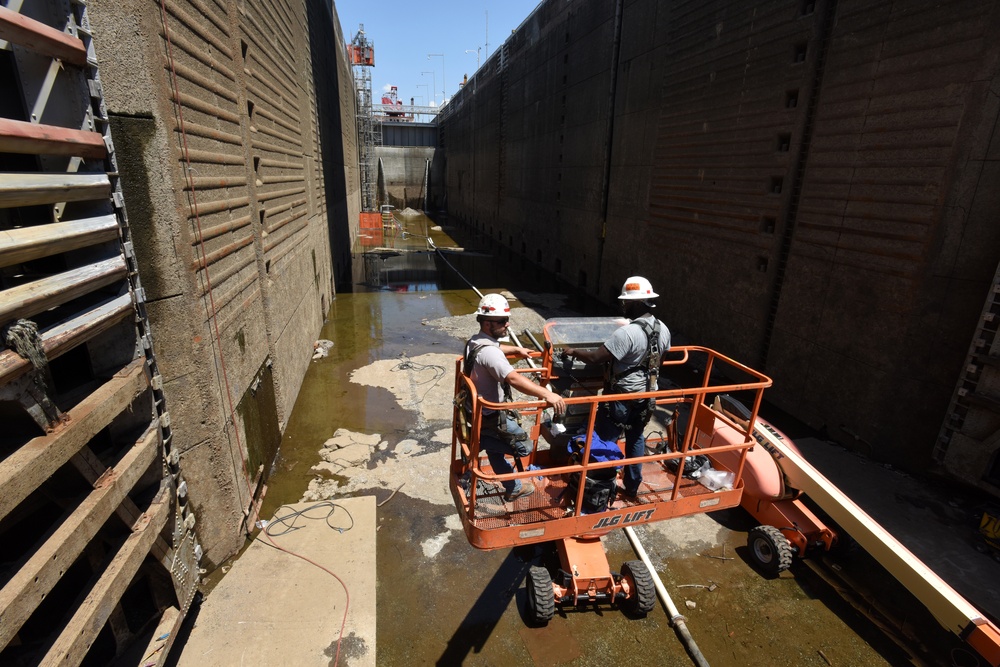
<point x="24" y="471"/>
<point x="28" y="243"/>
<point x="76" y="638"/>
<point x="163" y="638"/>
<point x="66" y="335"/>
<point x="40" y="38"/>
<point x="35" y="297"/>
<point x="35" y="578"/>
<point x="91" y="468"/>
<point x="18" y="136"/>
<point x="34" y="189"/>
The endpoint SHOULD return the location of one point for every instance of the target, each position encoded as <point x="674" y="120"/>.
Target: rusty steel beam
<point x="40" y="38"/>
<point x="211" y="232"/>
<point x="18" y="136"/>
<point x="219" y="205"/>
<point x="202" y="261"/>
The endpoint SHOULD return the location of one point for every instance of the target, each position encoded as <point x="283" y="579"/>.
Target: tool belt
<point x="628" y="414"/>
<point x="496" y="424"/>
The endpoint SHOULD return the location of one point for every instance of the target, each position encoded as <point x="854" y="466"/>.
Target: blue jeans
<point x="630" y="417"/>
<point x="497" y="451"/>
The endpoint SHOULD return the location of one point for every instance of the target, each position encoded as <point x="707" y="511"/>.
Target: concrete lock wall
<point x="809" y="185"/>
<point x="241" y="181"/>
<point x="404" y="173"/>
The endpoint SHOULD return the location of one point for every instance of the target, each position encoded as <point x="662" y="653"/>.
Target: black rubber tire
<point x="643" y="596"/>
<point x="541" y="596"/>
<point x="770" y="551"/>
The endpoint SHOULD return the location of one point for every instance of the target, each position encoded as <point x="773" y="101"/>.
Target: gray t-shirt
<point x="490" y="369"/>
<point x="628" y="346"/>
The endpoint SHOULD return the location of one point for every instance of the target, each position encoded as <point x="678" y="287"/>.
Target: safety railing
<point x="557" y="509"/>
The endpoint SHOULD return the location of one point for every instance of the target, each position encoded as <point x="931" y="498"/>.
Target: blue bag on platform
<point x="599" y="487"/>
<point x="600" y="450"/>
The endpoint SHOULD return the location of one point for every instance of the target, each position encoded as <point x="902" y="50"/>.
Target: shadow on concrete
<point x="477" y="626"/>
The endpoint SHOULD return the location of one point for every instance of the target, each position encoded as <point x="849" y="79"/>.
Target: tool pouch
<point x="497" y="424"/>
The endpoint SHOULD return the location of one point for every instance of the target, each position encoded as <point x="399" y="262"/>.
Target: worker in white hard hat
<point x="632" y="354"/>
<point x="493" y="375"/>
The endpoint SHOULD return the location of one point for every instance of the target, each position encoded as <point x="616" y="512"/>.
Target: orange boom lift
<point x="750" y="463"/>
<point x="554" y="513"/>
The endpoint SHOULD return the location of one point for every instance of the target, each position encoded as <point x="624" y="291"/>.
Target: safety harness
<point x="471" y="354"/>
<point x="496" y="423"/>
<point x="621" y="413"/>
<point x="650" y="362"/>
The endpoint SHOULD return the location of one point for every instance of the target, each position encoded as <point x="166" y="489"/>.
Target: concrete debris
<point x="327" y="467"/>
<point x="687" y="535"/>
<point x="422" y="466"/>
<point x="342" y="438"/>
<point x="432" y="546"/>
<point x="353" y="455"/>
<point x="690" y="604"/>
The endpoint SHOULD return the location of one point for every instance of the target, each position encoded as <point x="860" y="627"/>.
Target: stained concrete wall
<point x="404" y="172"/>
<point x="235" y="124"/>
<point x="809" y="185"/>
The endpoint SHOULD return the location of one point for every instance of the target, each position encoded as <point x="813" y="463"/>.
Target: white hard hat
<point x="493" y="305"/>
<point x="637" y="288"/>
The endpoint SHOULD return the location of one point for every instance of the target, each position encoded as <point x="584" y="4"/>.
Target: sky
<point x="404" y="32"/>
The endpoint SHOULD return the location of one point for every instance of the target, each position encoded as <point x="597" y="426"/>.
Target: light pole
<point x="477" y="55"/>
<point x="444" y="77"/>
<point x="423" y="85"/>
<point x="434" y="79"/>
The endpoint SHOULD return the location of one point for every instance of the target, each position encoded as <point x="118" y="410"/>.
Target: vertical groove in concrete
<point x="828" y="9"/>
<point x="609" y="140"/>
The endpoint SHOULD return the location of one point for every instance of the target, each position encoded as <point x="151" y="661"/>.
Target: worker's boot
<point x="527" y="488"/>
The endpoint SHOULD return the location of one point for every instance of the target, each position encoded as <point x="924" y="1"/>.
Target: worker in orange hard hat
<point x="632" y="354"/>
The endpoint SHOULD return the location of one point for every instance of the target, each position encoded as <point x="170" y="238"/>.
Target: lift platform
<point x="555" y="512"/>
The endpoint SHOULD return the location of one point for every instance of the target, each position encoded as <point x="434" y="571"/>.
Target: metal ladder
<point x="984" y="349"/>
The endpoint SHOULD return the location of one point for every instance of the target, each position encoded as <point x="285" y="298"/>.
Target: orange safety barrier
<point x="370" y="229"/>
